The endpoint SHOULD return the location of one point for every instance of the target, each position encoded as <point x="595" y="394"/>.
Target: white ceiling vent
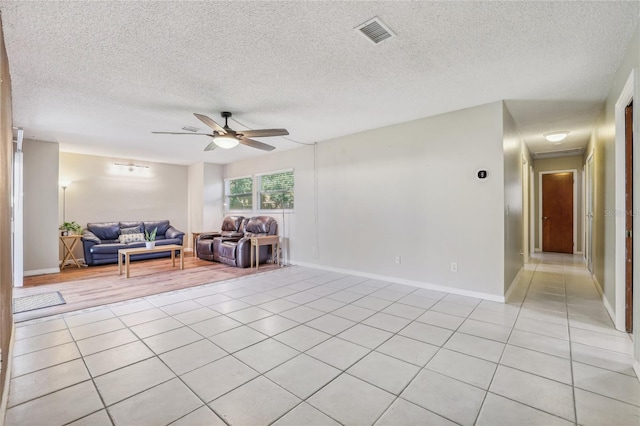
<point x="190" y="129"/>
<point x="375" y="30"/>
<point x="555" y="154"/>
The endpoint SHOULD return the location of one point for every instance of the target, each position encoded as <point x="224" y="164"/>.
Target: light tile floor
<point x="301" y="346"/>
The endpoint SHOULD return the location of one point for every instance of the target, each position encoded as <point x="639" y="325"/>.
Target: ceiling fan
<point x="225" y="137"/>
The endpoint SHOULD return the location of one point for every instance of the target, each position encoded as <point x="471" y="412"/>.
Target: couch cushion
<point x="105" y="230"/>
<point x="162" y="226"/>
<point x="108" y="248"/>
<point x="260" y="225"/>
<point x="131" y="238"/>
<point x="227" y="250"/>
<point x="232" y="223"/>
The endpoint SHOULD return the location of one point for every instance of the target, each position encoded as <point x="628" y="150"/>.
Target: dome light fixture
<point x="225" y="141"/>
<point x="556" y="136"/>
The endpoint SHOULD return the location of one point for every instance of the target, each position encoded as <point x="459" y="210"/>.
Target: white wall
<point x="205" y="192"/>
<point x="41" y="192"/>
<point x="406" y="190"/>
<point x="101" y="191"/>
<point x="603" y="147"/>
<point x="514" y="152"/>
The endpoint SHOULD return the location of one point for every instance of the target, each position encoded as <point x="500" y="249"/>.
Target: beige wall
<point x="40" y="207"/>
<point x="562" y="163"/>
<point x="406" y="190"/>
<point x="101" y="191"/>
<point x="6" y="278"/>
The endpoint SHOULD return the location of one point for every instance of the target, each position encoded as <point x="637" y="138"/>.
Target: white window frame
<point x="257" y="184"/>
<point x="227" y="206"/>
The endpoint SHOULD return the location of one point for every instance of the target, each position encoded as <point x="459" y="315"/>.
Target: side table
<point x="69" y="242"/>
<point x="256" y="242"/>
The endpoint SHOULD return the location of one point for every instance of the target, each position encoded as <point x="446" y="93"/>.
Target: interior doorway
<point x="557" y="211"/>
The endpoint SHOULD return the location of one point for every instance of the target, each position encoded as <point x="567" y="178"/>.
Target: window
<point x="275" y="191"/>
<point x="239" y="193"/>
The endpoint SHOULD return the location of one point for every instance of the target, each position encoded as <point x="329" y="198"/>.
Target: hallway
<point x="304" y="346"/>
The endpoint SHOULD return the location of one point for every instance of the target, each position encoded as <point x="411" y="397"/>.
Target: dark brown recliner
<point x="232" y="228"/>
<point x="236" y="251"/>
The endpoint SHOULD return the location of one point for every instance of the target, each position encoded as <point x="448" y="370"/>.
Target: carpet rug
<point x="37" y="301"/>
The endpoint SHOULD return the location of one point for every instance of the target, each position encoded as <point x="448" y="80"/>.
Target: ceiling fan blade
<point x="175" y="133"/>
<point x="261" y="133"/>
<point x="209" y="122"/>
<point x="256" y="144"/>
<point x="211" y="146"/>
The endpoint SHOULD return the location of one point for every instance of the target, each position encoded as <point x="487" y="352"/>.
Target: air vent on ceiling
<point x="190" y="129"/>
<point x="375" y="30"/>
<point x="555" y="154"/>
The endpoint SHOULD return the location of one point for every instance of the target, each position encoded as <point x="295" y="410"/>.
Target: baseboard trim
<point x="41" y="272"/>
<point x="7" y="377"/>
<point x="605" y="301"/>
<point x="537" y="250"/>
<point x="512" y="285"/>
<point x="578" y="252"/>
<point x="418" y="284"/>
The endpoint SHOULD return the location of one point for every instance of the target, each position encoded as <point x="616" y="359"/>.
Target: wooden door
<point x="557" y="212"/>
<point x="628" y="115"/>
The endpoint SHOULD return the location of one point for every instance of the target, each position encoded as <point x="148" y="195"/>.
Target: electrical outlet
<point x="454" y="266"/>
<point x="398" y="260"/>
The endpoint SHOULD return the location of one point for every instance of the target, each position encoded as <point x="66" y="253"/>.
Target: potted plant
<point x="150" y="238"/>
<point x="70" y="228"/>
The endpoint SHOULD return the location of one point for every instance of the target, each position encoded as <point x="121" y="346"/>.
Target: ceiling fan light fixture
<point x="226" y="142"/>
<point x="555" y="136"/>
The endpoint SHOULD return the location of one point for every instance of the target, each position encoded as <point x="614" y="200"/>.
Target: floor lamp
<point x="64" y="186"/>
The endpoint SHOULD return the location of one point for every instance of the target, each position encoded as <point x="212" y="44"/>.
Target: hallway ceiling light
<point x="555" y="136"/>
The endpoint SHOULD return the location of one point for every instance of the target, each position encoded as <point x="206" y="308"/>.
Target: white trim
<point x="626" y="96"/>
<point x="41" y="272"/>
<point x="598" y="285"/>
<point x="579" y="252"/>
<point x="575" y="204"/>
<point x="532" y="209"/>
<point x="290" y="169"/>
<point x="636" y="368"/>
<point x="7" y="377"/>
<point x="537" y="250"/>
<point x="587" y="202"/>
<point x="418" y="284"/>
<point x="513" y="285"/>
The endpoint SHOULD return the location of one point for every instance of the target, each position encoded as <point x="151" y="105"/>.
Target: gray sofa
<point x="233" y="244"/>
<point x="101" y="240"/>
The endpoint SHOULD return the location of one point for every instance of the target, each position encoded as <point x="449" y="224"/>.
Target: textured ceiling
<point x="98" y="77"/>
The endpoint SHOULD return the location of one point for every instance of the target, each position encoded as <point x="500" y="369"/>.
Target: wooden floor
<point x="98" y="285"/>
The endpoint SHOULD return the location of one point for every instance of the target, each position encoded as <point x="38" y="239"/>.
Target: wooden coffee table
<point x="126" y="253"/>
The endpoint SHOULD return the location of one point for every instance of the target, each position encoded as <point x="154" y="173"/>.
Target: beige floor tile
<point x="304" y="414"/>
<point x="217" y="378"/>
<point x="466" y="368"/>
<point x="499" y="411"/>
<point x="34" y="361"/>
<point x="201" y="416"/>
<point x="385" y="372"/>
<point x="403" y="412"/>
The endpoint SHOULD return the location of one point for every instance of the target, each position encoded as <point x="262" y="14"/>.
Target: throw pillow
<point x="131" y="238"/>
<point x="133" y="230"/>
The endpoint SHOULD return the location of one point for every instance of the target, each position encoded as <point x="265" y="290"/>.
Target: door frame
<point x="574" y="172"/>
<point x="628" y="93"/>
<point x="587" y="248"/>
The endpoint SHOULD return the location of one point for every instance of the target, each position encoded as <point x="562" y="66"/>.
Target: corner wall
<point x="41" y="220"/>
<point x="515" y="151"/>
